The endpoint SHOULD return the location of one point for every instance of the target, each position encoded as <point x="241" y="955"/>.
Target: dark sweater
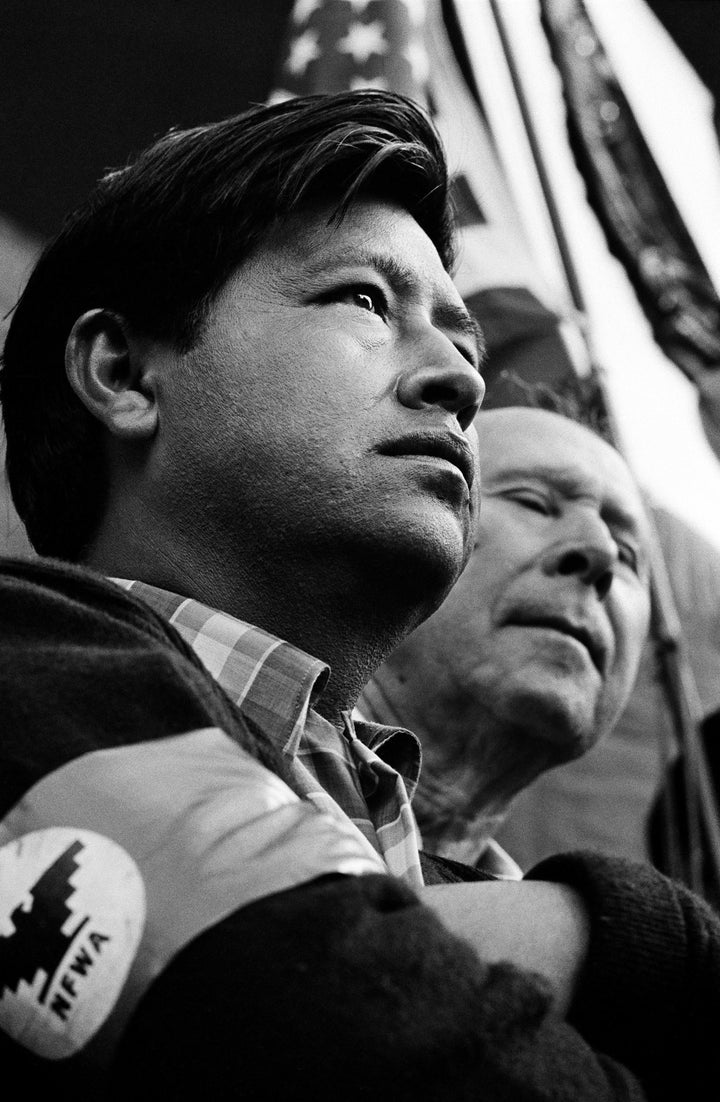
<point x="345" y="988"/>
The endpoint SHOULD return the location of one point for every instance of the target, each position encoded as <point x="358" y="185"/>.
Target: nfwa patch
<point x="72" y="913"/>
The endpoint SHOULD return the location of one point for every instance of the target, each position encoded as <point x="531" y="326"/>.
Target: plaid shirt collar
<point x="368" y="772"/>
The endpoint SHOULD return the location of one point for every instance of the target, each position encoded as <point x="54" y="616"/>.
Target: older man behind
<point x="533" y="655"/>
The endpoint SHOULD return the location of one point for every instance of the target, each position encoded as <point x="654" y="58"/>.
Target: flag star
<point x="303" y="50"/>
<point x="358" y="83"/>
<point x="303" y="9"/>
<point x="416" y="10"/>
<point x="418" y="60"/>
<point x="363" y="40"/>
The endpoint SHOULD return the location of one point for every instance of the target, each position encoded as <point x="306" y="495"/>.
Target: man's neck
<point x="473" y="766"/>
<point x="333" y="616"/>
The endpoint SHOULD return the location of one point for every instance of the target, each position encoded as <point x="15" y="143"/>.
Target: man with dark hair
<point x="533" y="655"/>
<point x="157" y="254"/>
<point x="239" y="393"/>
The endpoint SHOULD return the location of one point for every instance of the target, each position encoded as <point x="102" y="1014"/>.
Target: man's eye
<point x="366" y="297"/>
<point x="531" y="500"/>
<point x="628" y="555"/>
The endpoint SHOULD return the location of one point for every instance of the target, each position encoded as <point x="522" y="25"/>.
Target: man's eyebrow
<point x="402" y="279"/>
<point x="457" y="317"/>
<point x="398" y="275"/>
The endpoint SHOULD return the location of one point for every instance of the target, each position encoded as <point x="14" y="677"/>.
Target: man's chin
<point x="433" y="550"/>
<point x="561" y="716"/>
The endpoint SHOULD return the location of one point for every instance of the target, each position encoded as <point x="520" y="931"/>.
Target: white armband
<point x="113" y="863"/>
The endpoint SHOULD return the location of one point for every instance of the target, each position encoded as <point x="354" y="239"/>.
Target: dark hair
<point x="156" y="241"/>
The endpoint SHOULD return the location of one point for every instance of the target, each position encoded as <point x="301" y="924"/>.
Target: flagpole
<point x="570" y="274"/>
<point x="678" y="681"/>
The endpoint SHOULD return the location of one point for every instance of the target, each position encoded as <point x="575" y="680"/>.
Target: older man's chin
<point x="566" y="724"/>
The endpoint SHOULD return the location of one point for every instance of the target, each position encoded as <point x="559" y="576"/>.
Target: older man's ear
<point x="107" y="369"/>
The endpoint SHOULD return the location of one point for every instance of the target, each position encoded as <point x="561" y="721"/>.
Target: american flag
<point x="340" y="45"/>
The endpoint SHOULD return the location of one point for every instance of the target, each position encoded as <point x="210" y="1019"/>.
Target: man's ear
<point x="106" y="369"/>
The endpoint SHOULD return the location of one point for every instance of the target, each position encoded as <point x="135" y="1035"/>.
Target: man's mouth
<point x="454" y="449"/>
<point x="590" y="639"/>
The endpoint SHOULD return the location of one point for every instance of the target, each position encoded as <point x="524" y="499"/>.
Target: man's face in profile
<point x="546" y="624"/>
<point x="327" y="407"/>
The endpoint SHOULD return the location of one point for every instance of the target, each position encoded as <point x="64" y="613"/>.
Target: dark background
<point x="84" y="83"/>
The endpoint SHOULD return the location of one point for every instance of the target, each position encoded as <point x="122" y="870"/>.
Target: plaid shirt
<point x="367" y="772"/>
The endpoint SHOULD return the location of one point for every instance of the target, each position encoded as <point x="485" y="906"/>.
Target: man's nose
<point x="446" y="379"/>
<point x="590" y="554"/>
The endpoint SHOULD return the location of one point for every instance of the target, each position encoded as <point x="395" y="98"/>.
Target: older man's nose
<point x="590" y="556"/>
<point x="446" y="379"/>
